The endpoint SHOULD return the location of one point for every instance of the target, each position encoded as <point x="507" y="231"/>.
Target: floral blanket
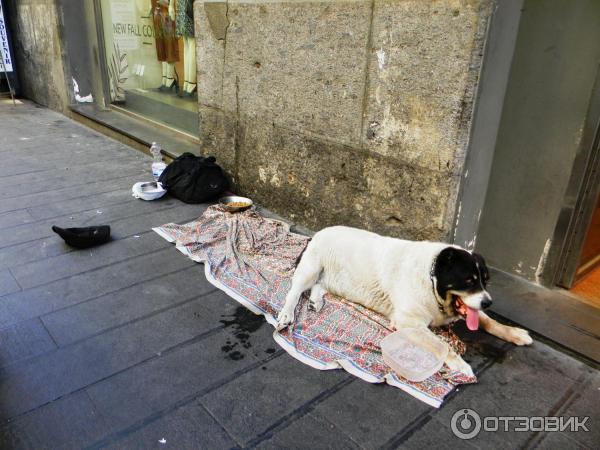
<point x="253" y="258"/>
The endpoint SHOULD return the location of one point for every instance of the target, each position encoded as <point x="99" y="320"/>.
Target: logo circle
<point x="465" y="424"/>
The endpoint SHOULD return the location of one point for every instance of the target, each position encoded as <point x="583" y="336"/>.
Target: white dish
<point x="148" y="190"/>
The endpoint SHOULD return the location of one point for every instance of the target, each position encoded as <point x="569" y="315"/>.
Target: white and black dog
<point x="414" y="284"/>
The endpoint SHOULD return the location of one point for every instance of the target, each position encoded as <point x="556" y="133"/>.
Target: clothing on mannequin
<point x="167" y="49"/>
<point x="189" y="64"/>
<point x="184" y="18"/>
<point x="185" y="28"/>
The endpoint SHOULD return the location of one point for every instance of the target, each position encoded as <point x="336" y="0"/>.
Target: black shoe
<point x="84" y="237"/>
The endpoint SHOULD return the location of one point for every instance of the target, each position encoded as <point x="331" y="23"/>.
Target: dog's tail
<point x="301" y="253"/>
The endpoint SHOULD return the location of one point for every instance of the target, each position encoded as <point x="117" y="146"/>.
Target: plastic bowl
<point x="414" y="353"/>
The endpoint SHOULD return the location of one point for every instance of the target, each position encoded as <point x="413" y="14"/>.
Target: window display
<point x="151" y="59"/>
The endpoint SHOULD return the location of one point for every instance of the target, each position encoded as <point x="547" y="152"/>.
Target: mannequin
<point x="185" y="28"/>
<point x="167" y="51"/>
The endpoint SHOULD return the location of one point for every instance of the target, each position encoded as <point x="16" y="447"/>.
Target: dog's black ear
<point x="446" y="256"/>
<point x="444" y="263"/>
<point x="485" y="273"/>
<point x="442" y="270"/>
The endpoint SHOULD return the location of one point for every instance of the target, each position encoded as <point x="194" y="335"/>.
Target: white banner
<point x="126" y="29"/>
<point x="4" y="49"/>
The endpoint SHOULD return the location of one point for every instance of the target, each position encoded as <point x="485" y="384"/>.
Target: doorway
<point x="587" y="275"/>
<point x="579" y="267"/>
<point x="540" y="180"/>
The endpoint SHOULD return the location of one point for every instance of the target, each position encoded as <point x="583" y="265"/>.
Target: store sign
<point x="126" y="30"/>
<point x="4" y="49"/>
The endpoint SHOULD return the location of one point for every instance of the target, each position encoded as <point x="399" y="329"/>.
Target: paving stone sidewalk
<point x="128" y="346"/>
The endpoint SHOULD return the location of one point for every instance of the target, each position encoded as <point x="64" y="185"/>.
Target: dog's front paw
<point x="520" y="336"/>
<point x="284" y="319"/>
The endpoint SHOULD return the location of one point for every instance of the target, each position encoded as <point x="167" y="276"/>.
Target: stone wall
<point x="343" y="112"/>
<point x="39" y="52"/>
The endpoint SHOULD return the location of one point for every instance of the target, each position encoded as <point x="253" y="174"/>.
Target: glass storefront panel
<point x="151" y="59"/>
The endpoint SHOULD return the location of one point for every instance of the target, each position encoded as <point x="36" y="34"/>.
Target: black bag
<point x="194" y="179"/>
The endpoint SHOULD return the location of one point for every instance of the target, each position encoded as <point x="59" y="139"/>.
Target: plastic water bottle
<point x="158" y="165"/>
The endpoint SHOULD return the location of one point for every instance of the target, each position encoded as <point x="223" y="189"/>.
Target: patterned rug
<point x="252" y="259"/>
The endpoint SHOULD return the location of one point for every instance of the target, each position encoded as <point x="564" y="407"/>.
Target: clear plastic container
<point x="414" y="353"/>
<point x="158" y="165"/>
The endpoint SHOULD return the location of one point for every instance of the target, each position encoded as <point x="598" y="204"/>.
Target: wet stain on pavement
<point x="244" y="323"/>
<point x="236" y="356"/>
<point x="489" y="351"/>
<point x="480" y="344"/>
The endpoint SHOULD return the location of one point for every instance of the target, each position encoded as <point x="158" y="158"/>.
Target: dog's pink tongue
<point x="472" y="319"/>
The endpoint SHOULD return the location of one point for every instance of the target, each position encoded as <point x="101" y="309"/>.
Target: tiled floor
<point x="588" y="288"/>
<point x="120" y="346"/>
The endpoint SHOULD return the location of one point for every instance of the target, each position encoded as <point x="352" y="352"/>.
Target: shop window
<point x="151" y="60"/>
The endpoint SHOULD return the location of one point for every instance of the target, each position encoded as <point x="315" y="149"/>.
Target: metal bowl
<point x="225" y="202"/>
<point x="151" y="186"/>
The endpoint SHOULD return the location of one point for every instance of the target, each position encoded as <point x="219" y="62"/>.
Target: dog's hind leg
<point x="455" y="362"/>
<point x="306" y="275"/>
<point x="515" y="335"/>
<point x="316" y="297"/>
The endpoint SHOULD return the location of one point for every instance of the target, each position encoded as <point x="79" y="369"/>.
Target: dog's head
<point x="461" y="279"/>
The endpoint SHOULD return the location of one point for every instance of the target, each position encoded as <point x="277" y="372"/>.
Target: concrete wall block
<point x="300" y="65"/>
<point x="422" y="75"/>
<point x="217" y="137"/>
<point x="291" y="121"/>
<point x="39" y="53"/>
<point x="211" y="28"/>
<point x="317" y="184"/>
